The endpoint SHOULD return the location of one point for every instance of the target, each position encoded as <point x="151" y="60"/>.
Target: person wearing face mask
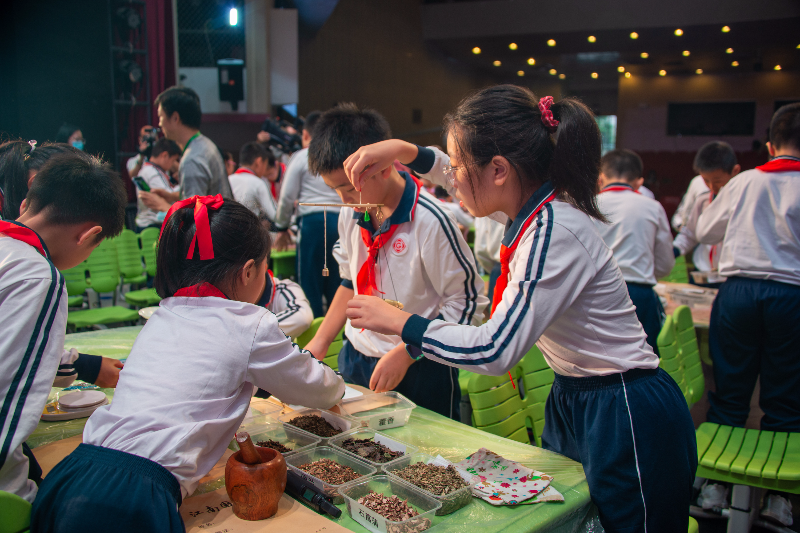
<point x="72" y="135"/>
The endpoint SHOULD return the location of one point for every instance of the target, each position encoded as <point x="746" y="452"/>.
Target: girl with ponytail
<point x="533" y="164"/>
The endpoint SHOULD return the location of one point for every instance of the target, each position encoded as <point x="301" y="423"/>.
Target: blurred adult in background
<point x="230" y="163"/>
<point x="165" y="157"/>
<point x="72" y="135"/>
<point x="148" y="135"/>
<point x="202" y="170"/>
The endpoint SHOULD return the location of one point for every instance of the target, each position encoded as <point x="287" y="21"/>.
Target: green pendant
<point x="366" y="216"/>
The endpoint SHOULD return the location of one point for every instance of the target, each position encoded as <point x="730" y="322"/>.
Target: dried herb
<point x="330" y="471"/>
<point x="370" y="450"/>
<point x="390" y="507"/>
<point x="437" y="480"/>
<point x="315" y="424"/>
<point x="275" y="445"/>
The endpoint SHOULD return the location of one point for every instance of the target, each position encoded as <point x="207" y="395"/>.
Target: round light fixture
<point x="729" y="51"/>
<point x="777" y="67"/>
<point x="551" y="42"/>
<point x="634" y="35"/>
<point x="594" y="75"/>
<point x="679" y="32"/>
<point x="476" y="50"/>
<point x="735" y="64"/>
<point x="620" y="69"/>
<point x="553" y="72"/>
<point x="512" y="46"/>
<point x="662" y="72"/>
<point x="591" y="39"/>
<point x="531" y="61"/>
<point x="520" y="73"/>
<point x="645" y="55"/>
<point x="698" y="71"/>
<point x="562" y="76"/>
<point x="686" y="53"/>
<point x="497" y="63"/>
<point x="726" y="29"/>
<point x="627" y="74"/>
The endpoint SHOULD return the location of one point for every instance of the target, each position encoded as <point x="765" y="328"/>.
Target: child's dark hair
<point x="237" y="234"/>
<point x="311" y="122"/>
<point x="17" y="161"/>
<point x="340" y="132"/>
<point x="622" y="164"/>
<point x="65" y="132"/>
<point x="716" y="155"/>
<point x="73" y="188"/>
<point x="183" y="100"/>
<point x="165" y="145"/>
<point x="504" y="120"/>
<point x="252" y="151"/>
<point x="441" y="192"/>
<point x="784" y="129"/>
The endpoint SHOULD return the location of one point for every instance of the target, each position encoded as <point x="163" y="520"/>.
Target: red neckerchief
<point x="199" y="291"/>
<point x="781" y="164"/>
<point x="365" y="280"/>
<point x="619" y="187"/>
<point x="273" y="185"/>
<point x="243" y="170"/>
<point x="507" y="251"/>
<point x="713" y="250"/>
<point x="272" y="280"/>
<point x="26" y="235"/>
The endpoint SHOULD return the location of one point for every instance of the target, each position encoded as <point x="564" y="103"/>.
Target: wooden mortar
<point x="255" y="479"/>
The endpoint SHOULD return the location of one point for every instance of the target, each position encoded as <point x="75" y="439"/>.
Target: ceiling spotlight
<point x="512" y="46"/>
<point x="735" y="64"/>
<point x="662" y="72"/>
<point x="562" y="76"/>
<point x="497" y="63"/>
<point x="520" y="73"/>
<point x="729" y="51"/>
<point x="591" y="38"/>
<point x="551" y="42"/>
<point x="634" y="35"/>
<point x="679" y="32"/>
<point x="777" y="67"/>
<point x="553" y="72"/>
<point x="594" y="75"/>
<point x="726" y="29"/>
<point x="476" y="50"/>
<point x="686" y="53"/>
<point x="620" y="69"/>
<point x="531" y="61"/>
<point x="698" y="71"/>
<point x="233" y="16"/>
<point x="645" y="55"/>
<point x="627" y="74"/>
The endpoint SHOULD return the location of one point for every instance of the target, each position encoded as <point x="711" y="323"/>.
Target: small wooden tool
<point x="255" y="479"/>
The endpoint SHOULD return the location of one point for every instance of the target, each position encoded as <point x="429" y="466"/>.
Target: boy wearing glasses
<point x="408" y="250"/>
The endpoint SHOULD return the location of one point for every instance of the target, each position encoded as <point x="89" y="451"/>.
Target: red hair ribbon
<point x="202" y="233"/>
<point x="547" y="116"/>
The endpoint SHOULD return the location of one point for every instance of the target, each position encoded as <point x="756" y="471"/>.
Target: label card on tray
<point x="368" y="518"/>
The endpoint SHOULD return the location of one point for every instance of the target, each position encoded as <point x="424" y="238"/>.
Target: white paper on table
<point x="352" y="395"/>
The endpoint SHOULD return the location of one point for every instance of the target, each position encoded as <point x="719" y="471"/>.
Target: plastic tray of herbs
<point x="330" y="487"/>
<point x="340" y="423"/>
<point x="388" y="486"/>
<point x="388" y="416"/>
<point x="371" y="452"/>
<point x="283" y="438"/>
<point x="453" y="500"/>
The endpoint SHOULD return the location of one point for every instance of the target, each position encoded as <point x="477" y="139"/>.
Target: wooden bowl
<point x="255" y="490"/>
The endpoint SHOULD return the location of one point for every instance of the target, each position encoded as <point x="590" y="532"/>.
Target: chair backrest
<point x="128" y="254"/>
<point x="15" y="513"/>
<point x="332" y="357"/>
<point x="690" y="352"/>
<point x="305" y="337"/>
<point x="103" y="267"/>
<point x="678" y="274"/>
<point x="537" y="380"/>
<point x="671" y="360"/>
<point x="149" y="240"/>
<point x="75" y="279"/>
<point x="283" y="263"/>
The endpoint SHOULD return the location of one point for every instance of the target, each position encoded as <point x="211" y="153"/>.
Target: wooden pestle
<point x="249" y="453"/>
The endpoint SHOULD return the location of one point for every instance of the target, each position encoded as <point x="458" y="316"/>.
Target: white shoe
<point x="778" y="509"/>
<point x="713" y="496"/>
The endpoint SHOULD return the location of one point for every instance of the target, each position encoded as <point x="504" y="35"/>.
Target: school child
<point x="409" y="251"/>
<point x="488" y="239"/>
<point x="637" y="233"/>
<point x="610" y="407"/>
<point x="274" y="175"/>
<point x="696" y="187"/>
<point x="188" y="380"/>
<point x="164" y="160"/>
<point x="74" y="202"/>
<point x="288" y="303"/>
<point x="716" y="163"/>
<point x="754" y="320"/>
<point x="247" y="184"/>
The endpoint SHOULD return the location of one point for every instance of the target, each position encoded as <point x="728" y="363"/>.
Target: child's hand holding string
<point x="372" y="313"/>
<point x="373" y="159"/>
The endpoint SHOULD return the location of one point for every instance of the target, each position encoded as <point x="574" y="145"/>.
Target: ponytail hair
<point x="237" y="236"/>
<point x="505" y="120"/>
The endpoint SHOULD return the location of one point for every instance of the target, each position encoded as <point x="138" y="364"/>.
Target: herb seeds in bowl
<point x="330" y="471"/>
<point x="275" y="445"/>
<point x="315" y="424"/>
<point x="370" y="450"/>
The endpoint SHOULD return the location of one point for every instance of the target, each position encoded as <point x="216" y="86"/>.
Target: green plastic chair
<point x="693" y="526"/>
<point x="283" y="264"/>
<point x="690" y="352"/>
<point x="332" y="357"/>
<point x="146" y="297"/>
<point x="537" y="378"/>
<point x="679" y="273"/>
<point x="130" y="258"/>
<point x="671" y="360"/>
<point x="15" y="513"/>
<point x="76" y="284"/>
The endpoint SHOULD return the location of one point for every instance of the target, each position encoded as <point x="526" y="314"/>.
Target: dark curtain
<point x="160" y="48"/>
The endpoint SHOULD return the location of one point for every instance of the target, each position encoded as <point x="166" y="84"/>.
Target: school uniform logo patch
<point x="399" y="247"/>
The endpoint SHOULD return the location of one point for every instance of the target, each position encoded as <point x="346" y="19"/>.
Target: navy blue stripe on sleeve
<point x="88" y="367"/>
<point x="424" y="161"/>
<point x="291" y="303"/>
<point x="347" y="283"/>
<point x="414" y="330"/>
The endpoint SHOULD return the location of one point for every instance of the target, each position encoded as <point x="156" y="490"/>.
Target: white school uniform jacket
<point x="488" y="238"/>
<point x="637" y="233"/>
<point x="300" y="185"/>
<point x="705" y="256"/>
<point x="156" y="178"/>
<point x="188" y="380"/>
<point x="696" y="187"/>
<point x="33" y="304"/>
<point x="253" y="193"/>
<point x="289" y="304"/>
<point x="426" y="265"/>
<point x="566" y="294"/>
<point x="757" y="217"/>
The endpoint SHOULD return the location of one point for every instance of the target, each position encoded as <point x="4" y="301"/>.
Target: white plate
<point x="81" y="399"/>
<point x="147" y="312"/>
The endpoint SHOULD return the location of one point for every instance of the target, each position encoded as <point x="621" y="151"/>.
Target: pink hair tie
<point x="547" y="116"/>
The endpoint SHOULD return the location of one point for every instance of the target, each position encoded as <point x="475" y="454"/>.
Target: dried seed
<point x="315" y="424"/>
<point x="330" y="471"/>
<point x="370" y="450"/>
<point x="275" y="445"/>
